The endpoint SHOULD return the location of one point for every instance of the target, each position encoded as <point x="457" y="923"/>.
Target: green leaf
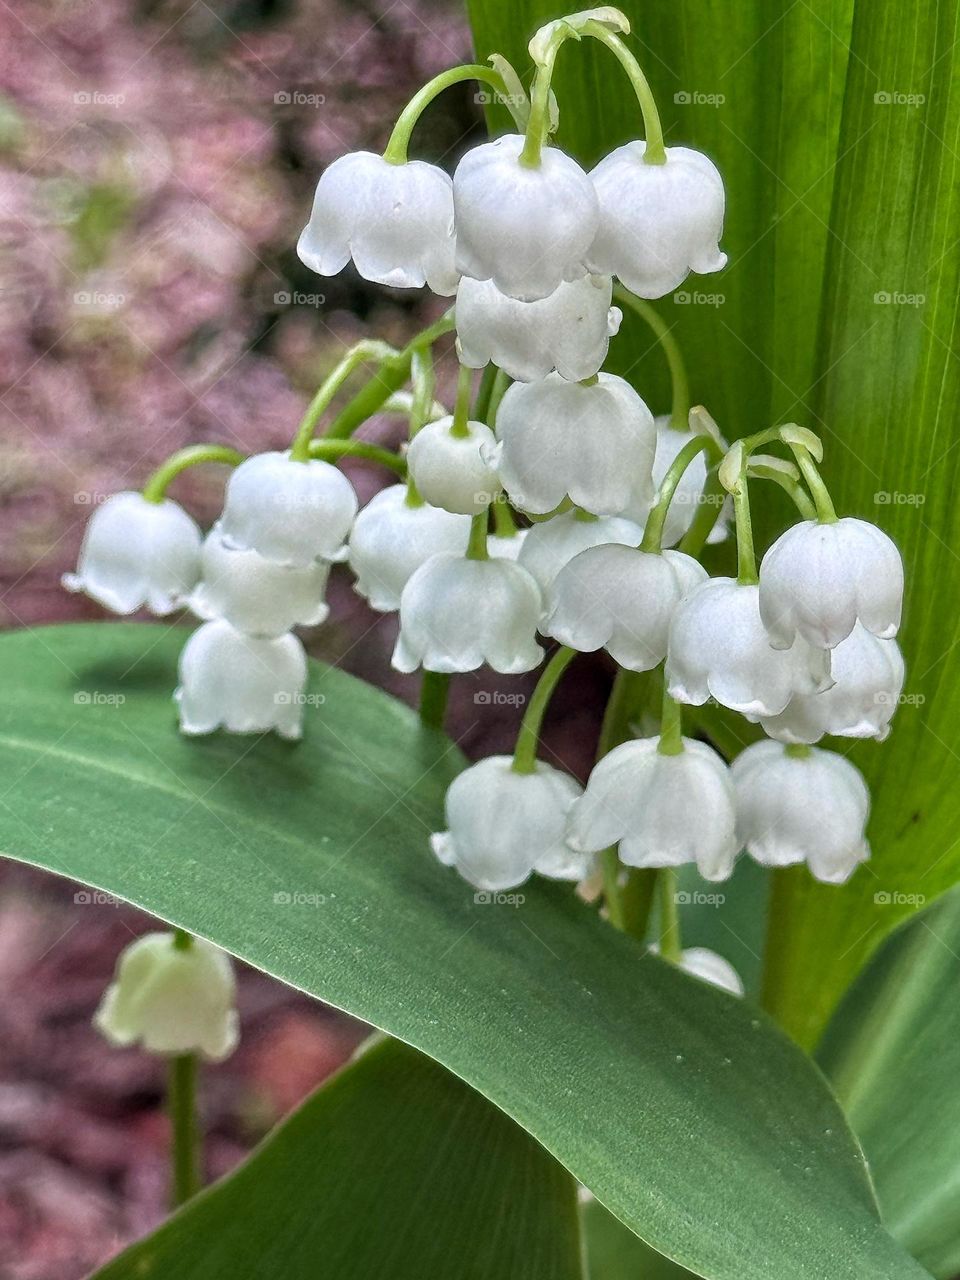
<point x="833" y="197"/>
<point x="396" y="1169"/>
<point x="687" y="1113"/>
<point x="615" y="1253"/>
<point x="893" y="1053"/>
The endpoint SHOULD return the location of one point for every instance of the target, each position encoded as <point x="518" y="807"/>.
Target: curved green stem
<point x="670" y="945"/>
<point x="653" y="529"/>
<point x="500" y="387"/>
<point x="712" y="498"/>
<point x="396" y="149"/>
<point x="795" y="491"/>
<point x="434" y="692"/>
<point x="671" y="727"/>
<point x="423" y="376"/>
<point x="461" y="409"/>
<point x="826" y="513"/>
<point x="481" y="405"/>
<point x="528" y="737"/>
<point x="654" y="152"/>
<point x="679" y="384"/>
<point x="614" y="730"/>
<point x="331" y="449"/>
<point x="390" y="377"/>
<point x="504" y="525"/>
<point x="746" y="558"/>
<point x="182" y="1109"/>
<point x="798" y="750"/>
<point x="156" y="487"/>
<point x="368" y="349"/>
<point x="477" y="545"/>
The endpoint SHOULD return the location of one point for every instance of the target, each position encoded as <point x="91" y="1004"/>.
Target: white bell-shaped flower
<point x="658" y="222"/>
<point x="719" y="648"/>
<point x="394" y="220"/>
<point x="569" y="331"/>
<point x="868" y="678"/>
<point x="819" y="580"/>
<point x="551" y="544"/>
<point x="620" y="599"/>
<point x="708" y="966"/>
<point x="452" y="471"/>
<point x="241" y="683"/>
<point x="137" y="553"/>
<point x="688" y="494"/>
<point x="810" y="808"/>
<point x="594" y="444"/>
<point x="456" y="614"/>
<point x="391" y="539"/>
<point x="662" y="810"/>
<point x="502" y="825"/>
<point x="290" y="511"/>
<point x="171" y="999"/>
<point x="506" y="546"/>
<point x="256" y="595"/>
<point x="525" y="228"/>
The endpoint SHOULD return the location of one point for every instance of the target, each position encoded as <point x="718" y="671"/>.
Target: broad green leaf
<point x="886" y="405"/>
<point x="892" y="1051"/>
<point x="688" y="1114"/>
<point x="395" y="1169"/>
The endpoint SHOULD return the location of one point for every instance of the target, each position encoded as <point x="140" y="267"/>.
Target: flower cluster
<point x="548" y="505"/>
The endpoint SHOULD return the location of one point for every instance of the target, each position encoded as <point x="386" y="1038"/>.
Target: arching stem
<point x="528" y="738"/>
<point x="679" y="384"/>
<point x="396" y="149"/>
<point x="369" y="349"/>
<point x="155" y="489"/>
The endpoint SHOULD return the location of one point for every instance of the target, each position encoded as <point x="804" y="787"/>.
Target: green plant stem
<point x="653" y="529"/>
<point x="746" y="559"/>
<point x="481" y="405"/>
<point x="369" y="349"/>
<point x="500" y="386"/>
<point x="434" y="692"/>
<point x="654" y="151"/>
<point x="822" y="501"/>
<point x="477" y="545"/>
<point x="397" y="146"/>
<point x="679" y="383"/>
<point x="504" y="525"/>
<point x="707" y="514"/>
<point x="795" y="491"/>
<point x="182" y="1109"/>
<point x="528" y="738"/>
<point x="671" y="727"/>
<point x="155" y="489"/>
<point x="461" y="409"/>
<point x="390" y="377"/>
<point x="332" y="449"/>
<point x="539" y="118"/>
<point x="798" y="750"/>
<point x="670" y="945"/>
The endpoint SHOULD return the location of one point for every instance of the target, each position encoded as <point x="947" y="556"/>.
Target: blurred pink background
<point x="158" y="161"/>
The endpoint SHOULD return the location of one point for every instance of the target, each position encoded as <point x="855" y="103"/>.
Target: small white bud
<point x="455" y="472"/>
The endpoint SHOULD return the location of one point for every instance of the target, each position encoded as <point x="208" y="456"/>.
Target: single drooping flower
<point x="290" y="511"/>
<point x="818" y="580"/>
<point x="718" y="648"/>
<point x="259" y="596"/>
<point x="868" y="678"/>
<point x="457" y="614"/>
<point x="809" y="807"/>
<point x="568" y="332"/>
<point x="620" y="599"/>
<point x="392" y="537"/>
<point x="171" y="999"/>
<point x="241" y="683"/>
<point x="688" y="494"/>
<point x="503" y="825"/>
<point x="525" y="227"/>
<point x="551" y="544"/>
<point x="594" y="444"/>
<point x="661" y="810"/>
<point x="394" y="220"/>
<point x="658" y="222"/>
<point x="708" y="966"/>
<point x="455" y="469"/>
<point x="138" y="554"/>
